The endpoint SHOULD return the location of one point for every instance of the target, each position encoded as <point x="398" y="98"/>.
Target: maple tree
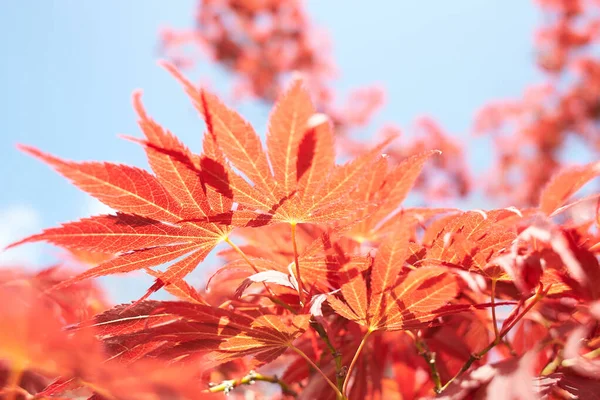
<point x="530" y="134"/>
<point x="330" y="286"/>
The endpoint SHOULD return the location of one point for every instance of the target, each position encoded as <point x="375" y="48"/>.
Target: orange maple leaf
<point x="469" y="240"/>
<point x="305" y="185"/>
<point x="380" y="297"/>
<point x="564" y="184"/>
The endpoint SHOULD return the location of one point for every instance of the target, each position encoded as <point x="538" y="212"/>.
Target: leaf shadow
<point x="306" y="153"/>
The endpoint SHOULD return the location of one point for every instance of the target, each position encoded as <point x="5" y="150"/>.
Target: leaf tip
<point x="40" y="155"/>
<point x="25" y="148"/>
<point x="131" y="139"/>
<point x="138" y="106"/>
<point x="166" y="64"/>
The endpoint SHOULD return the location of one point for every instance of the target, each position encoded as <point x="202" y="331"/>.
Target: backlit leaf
<point x="317" y="192"/>
<point x="372" y="296"/>
<point x="188" y="329"/>
<point x="564" y="184"/>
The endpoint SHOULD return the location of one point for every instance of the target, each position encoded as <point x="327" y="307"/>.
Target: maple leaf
<point x="379" y="302"/>
<point x="408" y="367"/>
<point x="180" y="289"/>
<point x="564" y="184"/>
<point x="305" y="185"/>
<point x="142" y="379"/>
<point x="272" y="242"/>
<point x="460" y="336"/>
<point x="149" y="379"/>
<point x="34" y="339"/>
<point x="181" y="329"/>
<point x="469" y="240"/>
<point x="147" y="230"/>
<point x="560" y="260"/>
<point x="321" y="261"/>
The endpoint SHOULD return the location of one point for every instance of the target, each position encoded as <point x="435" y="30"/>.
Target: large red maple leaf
<point x="296" y="180"/>
<point x="191" y="203"/>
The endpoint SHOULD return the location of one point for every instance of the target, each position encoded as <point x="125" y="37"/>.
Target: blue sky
<point x="70" y="67"/>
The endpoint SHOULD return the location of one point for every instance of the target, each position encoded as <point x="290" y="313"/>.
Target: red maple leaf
<point x="305" y="185"/>
<point x="380" y="297"/>
<point x="176" y="330"/>
<point x="564" y="184"/>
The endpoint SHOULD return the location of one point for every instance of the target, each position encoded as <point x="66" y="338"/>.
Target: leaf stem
<point x="298" y="276"/>
<point x="228" y="385"/>
<point x="337" y="356"/>
<point x="494" y="320"/>
<point x="474" y="357"/>
<point x="569" y="362"/>
<point x="319" y="370"/>
<point x="429" y="357"/>
<point x="552" y="365"/>
<point x="354" y="360"/>
<point x="241" y="253"/>
<point x="537" y="297"/>
<point x="245" y="257"/>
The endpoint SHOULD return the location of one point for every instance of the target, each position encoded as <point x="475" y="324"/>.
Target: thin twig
<point x="429" y="357"/>
<point x="340" y="374"/>
<point x="252" y="377"/>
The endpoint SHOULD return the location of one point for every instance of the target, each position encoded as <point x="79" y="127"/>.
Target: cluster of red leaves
<point x="260" y="41"/>
<point x="531" y="133"/>
<point x="264" y="42"/>
<point x="333" y="283"/>
<point x="43" y="356"/>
